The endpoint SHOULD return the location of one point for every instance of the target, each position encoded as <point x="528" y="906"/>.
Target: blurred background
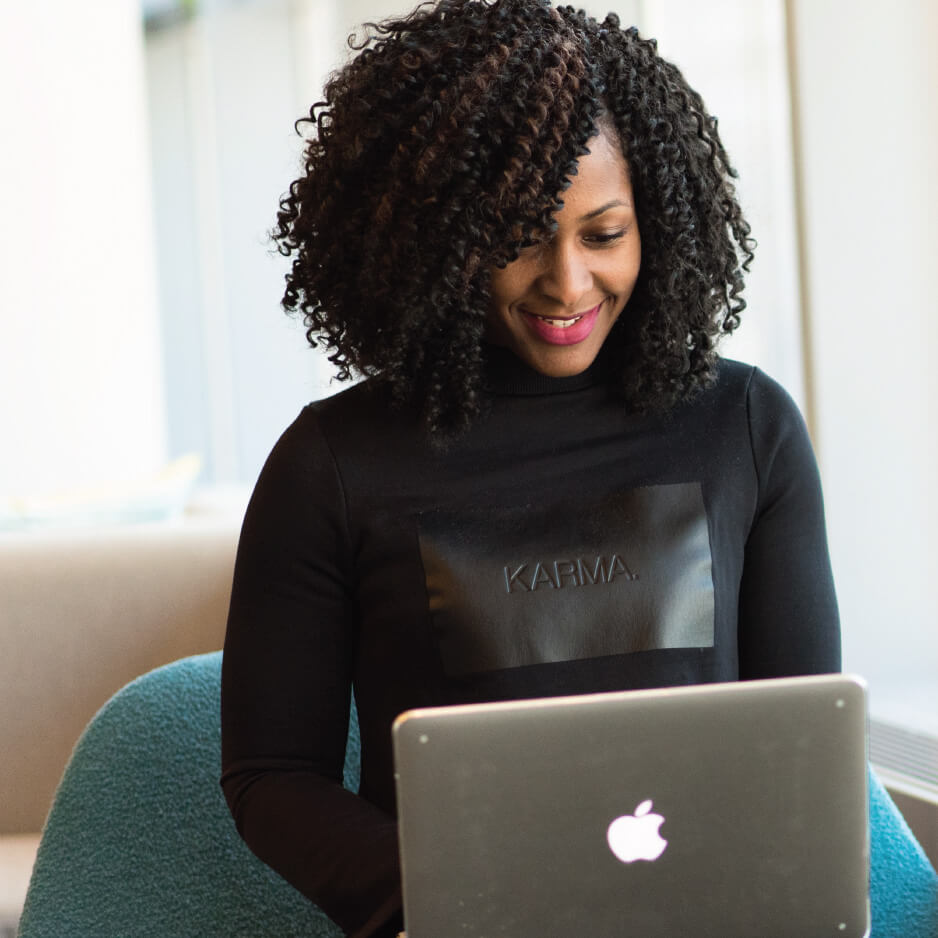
<point x="144" y="149"/>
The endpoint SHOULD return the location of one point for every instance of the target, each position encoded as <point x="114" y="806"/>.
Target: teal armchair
<point x="139" y="841"/>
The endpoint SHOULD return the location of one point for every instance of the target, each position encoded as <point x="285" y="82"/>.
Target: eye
<point x="603" y="238"/>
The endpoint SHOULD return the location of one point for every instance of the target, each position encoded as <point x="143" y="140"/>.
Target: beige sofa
<point x="83" y="612"/>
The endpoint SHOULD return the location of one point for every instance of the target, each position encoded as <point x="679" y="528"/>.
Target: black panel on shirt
<point x="569" y="578"/>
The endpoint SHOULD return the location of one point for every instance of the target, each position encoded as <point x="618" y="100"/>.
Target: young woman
<point x="518" y="224"/>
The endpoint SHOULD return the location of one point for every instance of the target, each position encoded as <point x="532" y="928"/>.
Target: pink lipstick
<point x="549" y="329"/>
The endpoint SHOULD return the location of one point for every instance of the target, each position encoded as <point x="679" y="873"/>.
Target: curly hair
<point x="446" y="144"/>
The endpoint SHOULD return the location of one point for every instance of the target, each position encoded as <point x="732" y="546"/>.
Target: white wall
<point x="868" y="122"/>
<point x="80" y="368"/>
<point x="224" y="91"/>
<point x="735" y="57"/>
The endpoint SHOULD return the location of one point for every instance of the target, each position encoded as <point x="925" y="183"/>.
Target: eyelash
<point x="609" y="237"/>
<point x="599" y="240"/>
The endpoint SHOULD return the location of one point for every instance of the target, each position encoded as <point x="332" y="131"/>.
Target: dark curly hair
<point x="446" y="144"/>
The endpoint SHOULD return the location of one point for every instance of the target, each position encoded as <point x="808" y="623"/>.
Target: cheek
<point x="498" y="291"/>
<point x="497" y="288"/>
<point x="627" y="269"/>
<point x="636" y="256"/>
<point x="510" y="284"/>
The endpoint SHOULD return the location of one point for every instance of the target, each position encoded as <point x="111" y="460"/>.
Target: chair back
<point x="903" y="883"/>
<point x="139" y="840"/>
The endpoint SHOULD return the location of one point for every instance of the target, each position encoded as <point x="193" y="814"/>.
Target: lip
<point x="558" y="335"/>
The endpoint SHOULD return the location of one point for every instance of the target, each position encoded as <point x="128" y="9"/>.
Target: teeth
<point x="560" y="323"/>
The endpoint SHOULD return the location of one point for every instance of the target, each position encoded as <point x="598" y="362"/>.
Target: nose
<point x="566" y="276"/>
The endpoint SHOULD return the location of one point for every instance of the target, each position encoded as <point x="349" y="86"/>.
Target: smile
<point x="562" y="331"/>
<point x="559" y="323"/>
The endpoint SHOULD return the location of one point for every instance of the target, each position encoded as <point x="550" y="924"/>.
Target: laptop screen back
<point x="714" y="810"/>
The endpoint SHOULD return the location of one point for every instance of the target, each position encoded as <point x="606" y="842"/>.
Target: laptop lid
<point x="715" y="810"/>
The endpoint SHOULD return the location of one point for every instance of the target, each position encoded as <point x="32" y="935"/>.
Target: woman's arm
<point x="788" y="620"/>
<point x="286" y="682"/>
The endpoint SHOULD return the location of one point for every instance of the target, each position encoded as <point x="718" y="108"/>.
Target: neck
<point x="506" y="374"/>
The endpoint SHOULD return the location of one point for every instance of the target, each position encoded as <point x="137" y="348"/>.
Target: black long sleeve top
<point x="561" y="546"/>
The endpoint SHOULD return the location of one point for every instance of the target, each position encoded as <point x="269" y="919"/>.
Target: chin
<point x="561" y="365"/>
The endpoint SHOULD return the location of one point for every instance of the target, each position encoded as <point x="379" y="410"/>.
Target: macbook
<point x="716" y="810"/>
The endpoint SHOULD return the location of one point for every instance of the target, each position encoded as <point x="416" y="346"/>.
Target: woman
<point x="518" y="223"/>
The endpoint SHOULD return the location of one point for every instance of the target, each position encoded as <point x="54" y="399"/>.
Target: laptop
<point x="718" y="810"/>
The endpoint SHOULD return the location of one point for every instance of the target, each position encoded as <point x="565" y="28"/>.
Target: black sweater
<point x="561" y="546"/>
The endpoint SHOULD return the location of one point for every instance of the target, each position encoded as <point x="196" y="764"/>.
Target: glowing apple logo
<point x="635" y="836"/>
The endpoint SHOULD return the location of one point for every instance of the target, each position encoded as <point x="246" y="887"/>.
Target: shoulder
<point x="303" y="459"/>
<point x="765" y="400"/>
<point x="345" y="439"/>
<point x="362" y="401"/>
<point x="746" y="411"/>
<point x="361" y="407"/>
<point x="781" y="446"/>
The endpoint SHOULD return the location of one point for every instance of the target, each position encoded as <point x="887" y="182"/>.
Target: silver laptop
<point x="719" y="810"/>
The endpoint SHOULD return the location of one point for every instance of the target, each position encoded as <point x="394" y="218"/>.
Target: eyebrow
<point x="604" y="208"/>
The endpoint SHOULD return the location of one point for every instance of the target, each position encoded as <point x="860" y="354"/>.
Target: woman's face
<point x="554" y="305"/>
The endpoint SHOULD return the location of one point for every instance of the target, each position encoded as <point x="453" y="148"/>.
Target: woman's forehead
<point x="602" y="177"/>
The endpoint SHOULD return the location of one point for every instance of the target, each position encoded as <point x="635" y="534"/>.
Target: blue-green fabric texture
<point x="903" y="883"/>
<point x="139" y="841"/>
